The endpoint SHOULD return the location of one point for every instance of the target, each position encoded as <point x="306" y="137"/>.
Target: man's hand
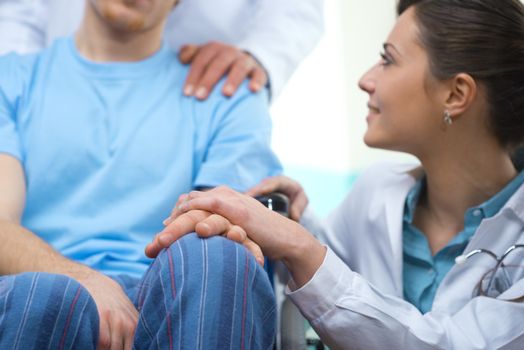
<point x="118" y="316"/>
<point x="212" y="61"/>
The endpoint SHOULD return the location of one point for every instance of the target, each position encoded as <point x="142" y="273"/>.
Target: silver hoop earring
<point x="447" y="118"/>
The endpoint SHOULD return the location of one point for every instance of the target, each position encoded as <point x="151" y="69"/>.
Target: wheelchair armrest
<point x="275" y="201"/>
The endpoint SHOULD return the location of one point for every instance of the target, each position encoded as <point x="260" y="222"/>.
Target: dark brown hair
<point x="485" y="39"/>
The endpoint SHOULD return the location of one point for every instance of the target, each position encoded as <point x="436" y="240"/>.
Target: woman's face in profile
<point x="405" y="112"/>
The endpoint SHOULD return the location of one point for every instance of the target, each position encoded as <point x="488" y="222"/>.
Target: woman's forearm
<point x="303" y="255"/>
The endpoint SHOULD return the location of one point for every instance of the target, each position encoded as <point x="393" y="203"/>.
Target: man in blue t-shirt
<point x="96" y="144"/>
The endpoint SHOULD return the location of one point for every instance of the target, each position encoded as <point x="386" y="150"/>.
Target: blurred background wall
<point x="319" y="119"/>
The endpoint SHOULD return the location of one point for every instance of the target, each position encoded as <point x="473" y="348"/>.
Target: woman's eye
<point x="386" y="60"/>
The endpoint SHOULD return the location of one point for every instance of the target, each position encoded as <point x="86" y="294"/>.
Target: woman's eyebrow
<point x="387" y="46"/>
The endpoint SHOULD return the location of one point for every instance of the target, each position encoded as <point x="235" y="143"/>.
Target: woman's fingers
<point x="258" y="79"/>
<point x="187" y="53"/>
<point x="212" y="61"/>
<point x="297" y="206"/>
<point x="268" y="185"/>
<point x="291" y="188"/>
<point x="176" y="210"/>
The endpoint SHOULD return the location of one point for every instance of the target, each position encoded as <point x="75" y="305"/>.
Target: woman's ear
<point x="462" y="92"/>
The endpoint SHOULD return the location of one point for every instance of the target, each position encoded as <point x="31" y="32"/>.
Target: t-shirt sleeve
<point x="12" y="79"/>
<point x="239" y="152"/>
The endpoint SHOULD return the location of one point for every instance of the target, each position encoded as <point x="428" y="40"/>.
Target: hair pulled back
<point x="485" y="39"/>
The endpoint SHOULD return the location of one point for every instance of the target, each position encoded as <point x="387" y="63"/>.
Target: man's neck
<point x="99" y="42"/>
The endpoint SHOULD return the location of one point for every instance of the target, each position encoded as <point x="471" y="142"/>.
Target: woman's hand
<point x="278" y="237"/>
<point x="292" y="189"/>
<point x="212" y="61"/>
<point x="204" y="224"/>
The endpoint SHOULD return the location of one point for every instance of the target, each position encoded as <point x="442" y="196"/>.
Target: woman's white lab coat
<point x="354" y="301"/>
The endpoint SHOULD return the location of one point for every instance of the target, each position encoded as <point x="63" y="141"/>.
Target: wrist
<point x="304" y="256"/>
<point x="75" y="270"/>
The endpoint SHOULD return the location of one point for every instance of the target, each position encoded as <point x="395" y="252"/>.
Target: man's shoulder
<point x="16" y="64"/>
<point x="257" y="102"/>
<point x="23" y="62"/>
<point x="16" y="71"/>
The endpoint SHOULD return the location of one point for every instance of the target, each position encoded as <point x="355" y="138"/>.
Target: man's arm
<point x="236" y="147"/>
<point x="21" y="251"/>
<point x="22" y="25"/>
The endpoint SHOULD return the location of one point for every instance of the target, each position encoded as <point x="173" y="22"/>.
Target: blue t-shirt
<point x="422" y="271"/>
<point x="107" y="148"/>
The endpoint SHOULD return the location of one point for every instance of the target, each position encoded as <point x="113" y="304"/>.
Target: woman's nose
<point x="367" y="81"/>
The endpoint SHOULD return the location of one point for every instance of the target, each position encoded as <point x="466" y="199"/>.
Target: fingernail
<point x="255" y="87"/>
<point x="182" y="207"/>
<point x="228" y="90"/>
<point x="188" y="90"/>
<point x="201" y="93"/>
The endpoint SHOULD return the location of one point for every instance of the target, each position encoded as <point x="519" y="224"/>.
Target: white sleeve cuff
<point x="320" y="294"/>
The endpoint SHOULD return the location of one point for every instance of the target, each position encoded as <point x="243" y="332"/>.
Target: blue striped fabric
<point x="45" y="311"/>
<point x="198" y="294"/>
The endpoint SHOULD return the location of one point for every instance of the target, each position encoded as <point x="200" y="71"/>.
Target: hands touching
<point x="212" y="61"/>
<point x="204" y="224"/>
<point x="278" y="237"/>
<point x="232" y="221"/>
<point x="243" y="219"/>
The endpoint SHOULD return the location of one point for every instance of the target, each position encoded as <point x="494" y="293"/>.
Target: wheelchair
<point x="294" y="332"/>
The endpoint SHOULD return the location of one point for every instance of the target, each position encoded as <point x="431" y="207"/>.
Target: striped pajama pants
<point x="198" y="294"/>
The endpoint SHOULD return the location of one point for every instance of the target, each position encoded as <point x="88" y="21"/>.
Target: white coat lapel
<point x="395" y="199"/>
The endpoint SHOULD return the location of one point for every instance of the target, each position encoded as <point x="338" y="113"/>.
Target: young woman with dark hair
<point x="415" y="257"/>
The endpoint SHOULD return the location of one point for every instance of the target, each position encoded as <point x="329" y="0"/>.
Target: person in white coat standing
<point x="263" y="40"/>
<point x="416" y="257"/>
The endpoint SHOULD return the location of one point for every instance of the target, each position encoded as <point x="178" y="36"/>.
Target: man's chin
<point x="129" y="26"/>
<point x="118" y="19"/>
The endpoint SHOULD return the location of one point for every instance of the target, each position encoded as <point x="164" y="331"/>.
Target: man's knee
<point x="195" y="257"/>
<point x="213" y="268"/>
<point x="210" y="288"/>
